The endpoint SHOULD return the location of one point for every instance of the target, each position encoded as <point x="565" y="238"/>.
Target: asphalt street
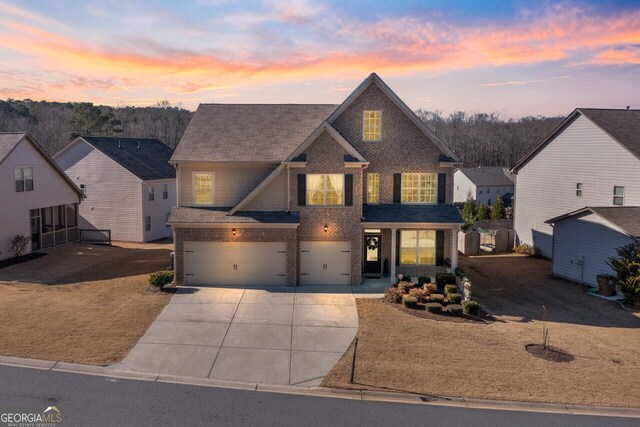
<point x="86" y="400"/>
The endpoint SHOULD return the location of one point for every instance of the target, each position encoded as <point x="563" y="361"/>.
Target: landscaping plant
<point x="409" y="301"/>
<point x="627" y="269"/>
<point x="443" y="279"/>
<point x="545" y="329"/>
<point x="450" y="289"/>
<point x="439" y="298"/>
<point x="470" y="307"/>
<point x="160" y="278"/>
<point x="19" y="245"/>
<point x="419" y="294"/>
<point x="393" y="295"/>
<point x="454" y="298"/>
<point x="404" y="287"/>
<point x="483" y="212"/>
<point x="525" y="249"/>
<point x="429" y="288"/>
<point x="433" y="307"/>
<point x="454" y="309"/>
<point x="497" y="211"/>
<point x="423" y="279"/>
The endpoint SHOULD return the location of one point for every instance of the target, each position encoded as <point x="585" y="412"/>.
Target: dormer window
<point x="372" y="125"/>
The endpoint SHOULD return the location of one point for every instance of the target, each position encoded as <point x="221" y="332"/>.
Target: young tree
<point x="469" y="212"/>
<point x="627" y="269"/>
<point x="483" y="212"/>
<point x="497" y="211"/>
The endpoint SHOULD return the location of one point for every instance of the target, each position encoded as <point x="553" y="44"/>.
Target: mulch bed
<point x="444" y="317"/>
<point x="551" y="354"/>
<point x="24" y="258"/>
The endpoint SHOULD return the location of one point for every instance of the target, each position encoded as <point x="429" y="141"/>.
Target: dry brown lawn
<point x="80" y="303"/>
<point x="400" y="352"/>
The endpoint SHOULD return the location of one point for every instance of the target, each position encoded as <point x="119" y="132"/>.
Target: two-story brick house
<point x="312" y="194"/>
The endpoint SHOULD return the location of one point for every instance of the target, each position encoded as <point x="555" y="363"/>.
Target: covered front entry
<point x="235" y="263"/>
<point x="325" y="263"/>
<point x="372" y="253"/>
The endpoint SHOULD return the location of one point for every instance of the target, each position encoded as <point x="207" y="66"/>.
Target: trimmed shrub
<point x="429" y="288"/>
<point x="393" y="295"/>
<point x="19" y="245"/>
<point x="450" y="289"/>
<point x="454" y="309"/>
<point x="525" y="249"/>
<point x="409" y="301"/>
<point x="454" y="298"/>
<point x="443" y="279"/>
<point x="406" y="278"/>
<point x="470" y="307"/>
<point x="160" y="278"/>
<point x="419" y="294"/>
<point x="423" y="279"/>
<point x="439" y="298"/>
<point x="433" y="307"/>
<point x="404" y="287"/>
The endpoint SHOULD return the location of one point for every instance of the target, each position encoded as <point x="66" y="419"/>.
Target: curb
<point x="365" y="395"/>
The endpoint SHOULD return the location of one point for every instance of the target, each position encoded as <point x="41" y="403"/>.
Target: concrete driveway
<point x="271" y="335"/>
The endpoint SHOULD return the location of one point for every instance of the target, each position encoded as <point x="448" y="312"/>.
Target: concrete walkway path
<point x="286" y="335"/>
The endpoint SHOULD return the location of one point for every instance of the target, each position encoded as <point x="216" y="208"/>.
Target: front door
<point x="372" y="259"/>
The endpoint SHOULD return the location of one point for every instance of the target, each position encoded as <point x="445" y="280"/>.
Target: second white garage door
<point x="325" y="263"/>
<point x="235" y="263"/>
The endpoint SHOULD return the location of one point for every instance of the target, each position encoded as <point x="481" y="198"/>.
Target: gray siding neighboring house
<point x="124" y="180"/>
<point x="484" y="184"/>
<point x="577" y="165"/>
<point x="584" y="240"/>
<point x="42" y="204"/>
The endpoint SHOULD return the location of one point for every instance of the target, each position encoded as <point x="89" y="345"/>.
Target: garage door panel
<point x="325" y="263"/>
<point x="235" y="263"/>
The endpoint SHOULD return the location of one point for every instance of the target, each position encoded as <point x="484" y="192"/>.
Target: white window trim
<point x="624" y="192"/>
<point x="325" y="205"/>
<point x="165" y="192"/>
<point x="435" y="202"/>
<point x="147" y="223"/>
<point x="371" y="140"/>
<point x="24" y="180"/>
<point x="368" y="202"/>
<point x="579" y="188"/>
<point x="417" y="248"/>
<point x="83" y="189"/>
<point x="152" y="193"/>
<point x="193" y="187"/>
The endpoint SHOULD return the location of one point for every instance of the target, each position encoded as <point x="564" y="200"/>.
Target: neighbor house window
<point x="325" y="190"/>
<point x="418" y="247"/>
<point x="203" y="188"/>
<point x="371" y="125"/>
<point x="83" y="189"/>
<point x="579" y="189"/>
<point x="152" y="193"/>
<point x="165" y="191"/>
<point x="373" y="188"/>
<point x="147" y="223"/>
<point x="618" y="196"/>
<point x="419" y="187"/>
<point x="24" y="178"/>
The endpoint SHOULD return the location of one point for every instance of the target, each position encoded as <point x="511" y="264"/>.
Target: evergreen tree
<point x="497" y="211"/>
<point x="483" y="212"/>
<point x="469" y="211"/>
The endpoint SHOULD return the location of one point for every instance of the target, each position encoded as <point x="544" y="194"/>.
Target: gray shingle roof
<point x="8" y="141"/>
<point x="624" y="217"/>
<point x="183" y="215"/>
<point x="623" y="125"/>
<point x="490" y="175"/>
<point x="146" y="158"/>
<point x="248" y="132"/>
<point x="396" y="212"/>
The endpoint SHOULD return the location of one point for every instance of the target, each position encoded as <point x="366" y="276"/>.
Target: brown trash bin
<point x="606" y="285"/>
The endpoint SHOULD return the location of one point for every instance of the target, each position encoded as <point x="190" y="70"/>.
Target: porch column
<point x="454" y="249"/>
<point x="392" y="268"/>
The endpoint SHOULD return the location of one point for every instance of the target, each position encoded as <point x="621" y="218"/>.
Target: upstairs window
<point x="24" y="178"/>
<point x="373" y="188"/>
<point x="325" y="190"/>
<point x="202" y="189"/>
<point x="371" y="125"/>
<point x="618" y="196"/>
<point x="165" y="191"/>
<point x="419" y="187"/>
<point x="152" y="193"/>
<point x="83" y="189"/>
<point x="579" y="189"/>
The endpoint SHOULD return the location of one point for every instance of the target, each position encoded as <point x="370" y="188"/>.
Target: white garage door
<point x="235" y="263"/>
<point x="325" y="263"/>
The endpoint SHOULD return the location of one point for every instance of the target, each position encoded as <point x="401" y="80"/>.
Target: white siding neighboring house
<point x="584" y="240"/>
<point x="124" y="180"/>
<point x="38" y="199"/>
<point x="591" y="154"/>
<point x="485" y="184"/>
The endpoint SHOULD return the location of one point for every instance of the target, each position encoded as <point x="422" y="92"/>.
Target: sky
<point x="517" y="58"/>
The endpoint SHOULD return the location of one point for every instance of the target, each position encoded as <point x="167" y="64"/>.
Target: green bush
<point x="525" y="249"/>
<point x="429" y="288"/>
<point x="160" y="278"/>
<point x="443" y="279"/>
<point x="405" y="278"/>
<point x="409" y="301"/>
<point x="627" y="269"/>
<point x="393" y="295"/>
<point x="450" y="289"/>
<point x="433" y="307"/>
<point x="454" y="309"/>
<point x="454" y="298"/>
<point x="423" y="279"/>
<point x="405" y="287"/>
<point x="436" y="298"/>
<point x="419" y="294"/>
<point x="470" y="307"/>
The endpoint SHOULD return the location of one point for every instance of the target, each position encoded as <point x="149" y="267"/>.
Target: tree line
<point x="480" y="139"/>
